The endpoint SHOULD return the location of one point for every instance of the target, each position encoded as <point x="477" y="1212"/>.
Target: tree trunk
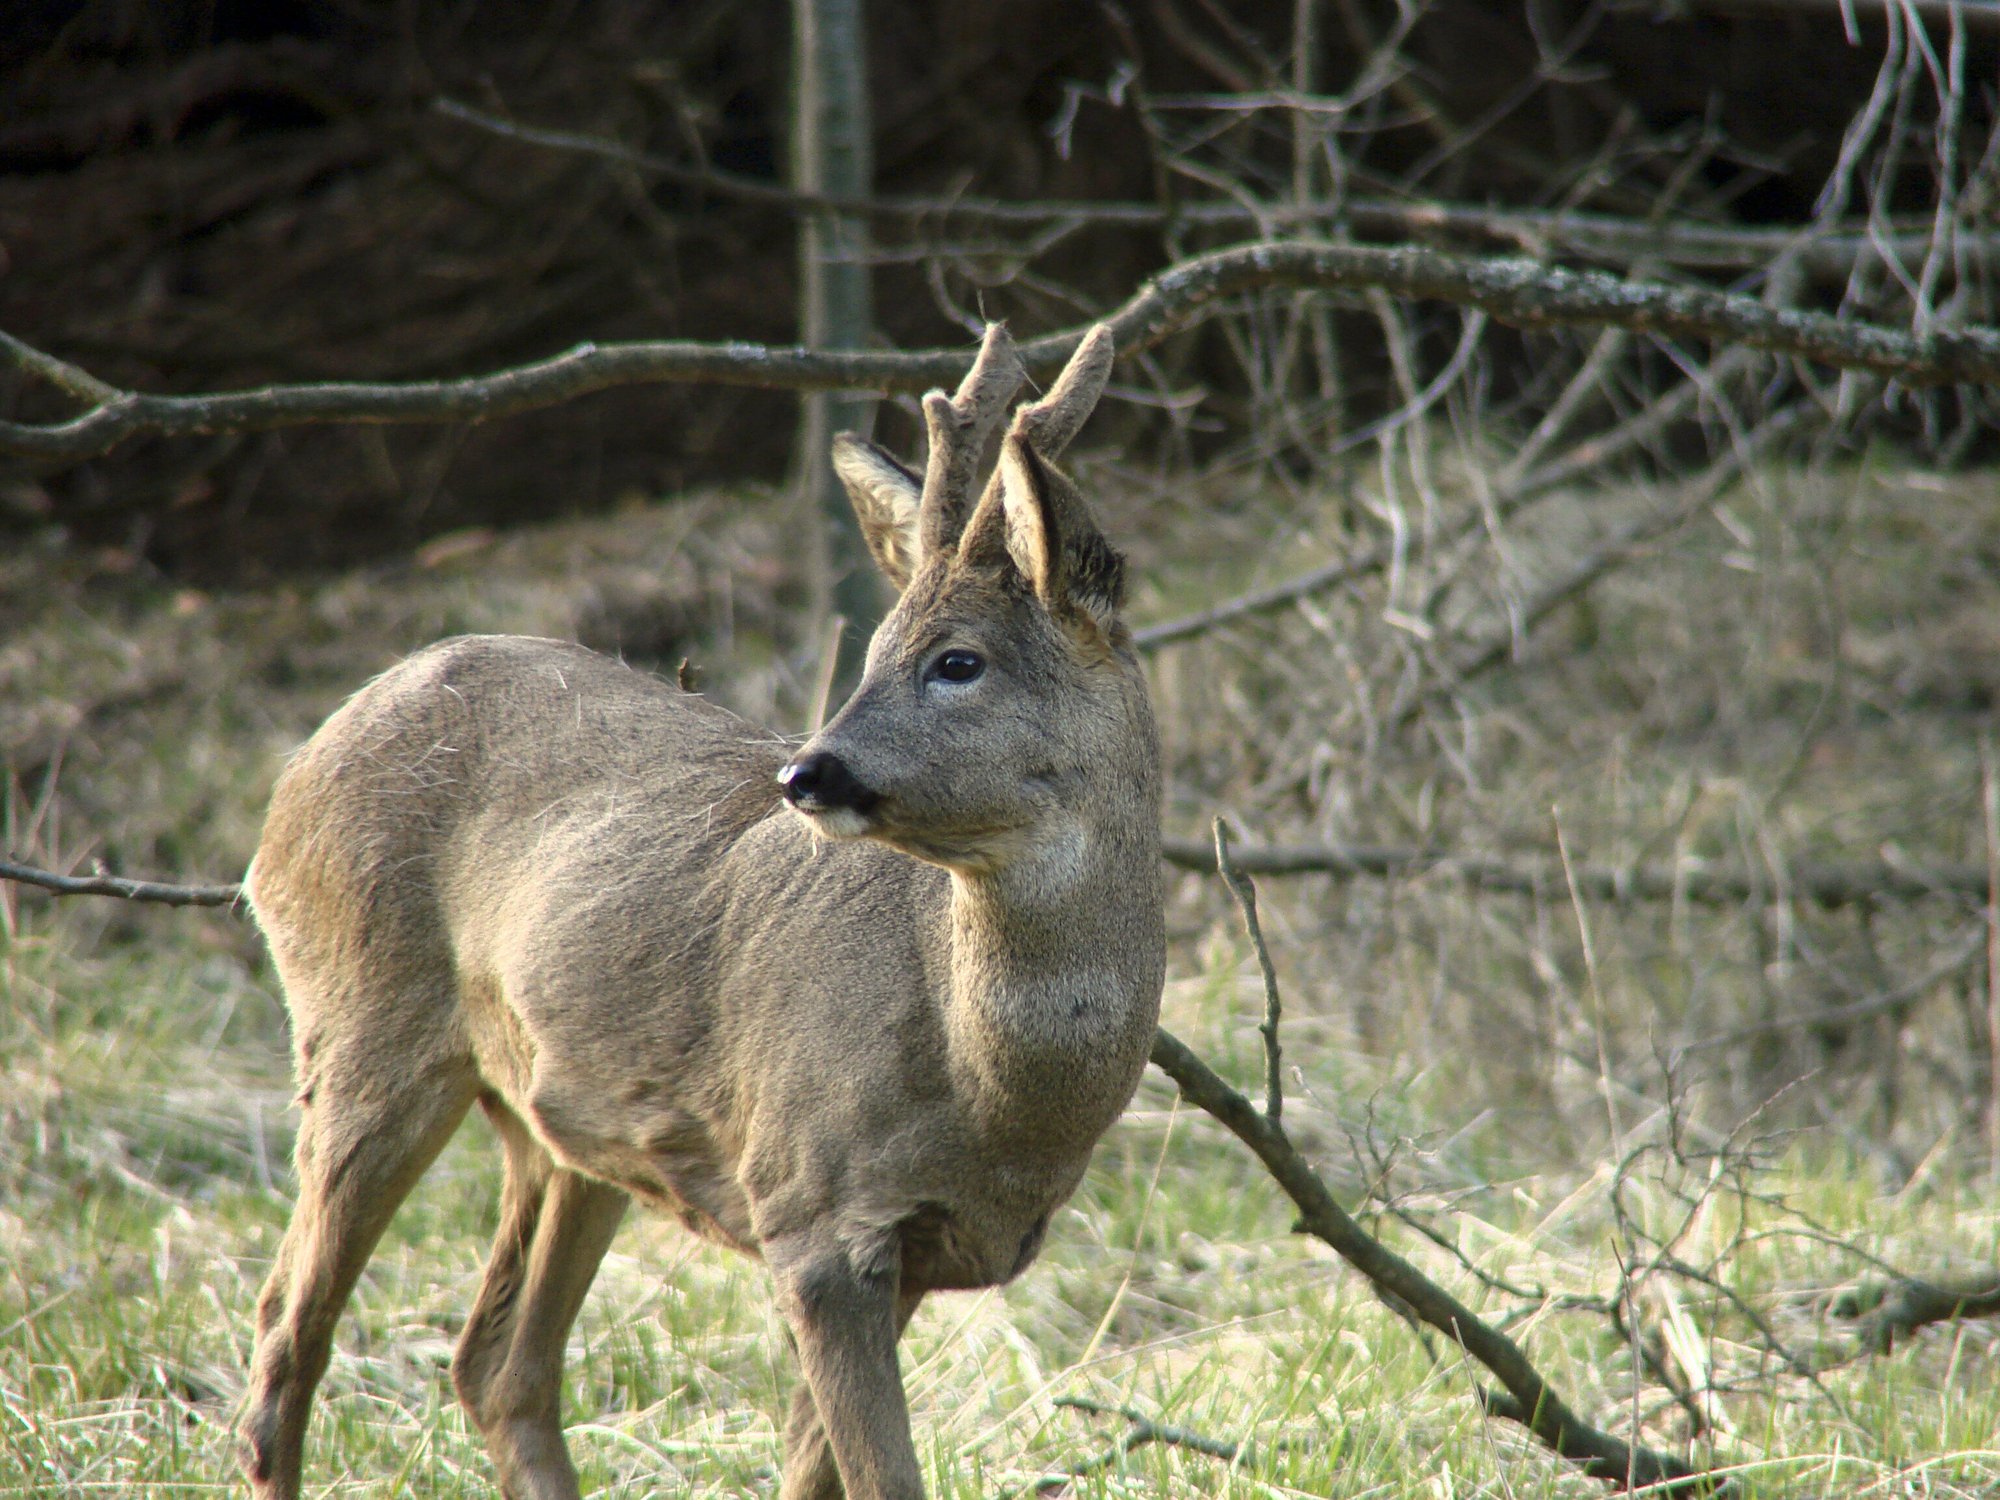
<point x="831" y="155"/>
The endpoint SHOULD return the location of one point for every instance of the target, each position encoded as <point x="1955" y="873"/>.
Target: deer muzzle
<point x="819" y="784"/>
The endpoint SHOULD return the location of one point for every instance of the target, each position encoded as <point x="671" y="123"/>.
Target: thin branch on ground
<point x="1526" y="1396"/>
<point x="1824" y="885"/>
<point x="1519" y="292"/>
<point x="1625" y="545"/>
<point x="164" y="892"/>
<point x="1891" y="999"/>
<point x="1648" y="1254"/>
<point x="1652" y="1352"/>
<point x="1514" y="489"/>
<point x="1891" y="1305"/>
<point x="1143" y="1430"/>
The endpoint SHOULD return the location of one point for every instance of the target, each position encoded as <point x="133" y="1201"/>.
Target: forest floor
<point x="1524" y="1112"/>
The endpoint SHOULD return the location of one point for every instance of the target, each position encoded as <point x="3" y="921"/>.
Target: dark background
<point x="201" y="196"/>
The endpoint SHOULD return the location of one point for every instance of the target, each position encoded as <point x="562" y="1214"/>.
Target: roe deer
<point x="871" y="1036"/>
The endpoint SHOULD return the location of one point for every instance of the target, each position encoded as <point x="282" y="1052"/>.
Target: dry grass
<point x="1807" y="674"/>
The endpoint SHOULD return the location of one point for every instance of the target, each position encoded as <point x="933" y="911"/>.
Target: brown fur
<point x="515" y="873"/>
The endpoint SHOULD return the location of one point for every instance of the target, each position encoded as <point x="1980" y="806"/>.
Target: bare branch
<point x="1527" y="1397"/>
<point x="1692" y="879"/>
<point x="1143" y="1430"/>
<point x="1824" y="885"/>
<point x="1896" y="1309"/>
<point x="1847" y="1015"/>
<point x="1503" y="639"/>
<point x="164" y="892"/>
<point x="1245" y="893"/>
<point x="1834" y="12"/>
<point x="1623" y="546"/>
<point x="1514" y="489"/>
<point x="1821" y="253"/>
<point x="1146" y="1430"/>
<point x="1515" y="291"/>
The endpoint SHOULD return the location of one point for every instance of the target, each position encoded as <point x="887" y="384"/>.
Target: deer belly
<point x="667" y="1158"/>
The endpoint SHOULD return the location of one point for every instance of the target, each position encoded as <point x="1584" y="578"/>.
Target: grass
<point x="1458" y="1061"/>
<point x="139" y="1223"/>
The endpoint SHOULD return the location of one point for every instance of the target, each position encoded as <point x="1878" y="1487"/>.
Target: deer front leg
<point x="844" y="1320"/>
<point x="810" y="1472"/>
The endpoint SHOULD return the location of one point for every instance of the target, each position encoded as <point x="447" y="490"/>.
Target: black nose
<point x="821" y="782"/>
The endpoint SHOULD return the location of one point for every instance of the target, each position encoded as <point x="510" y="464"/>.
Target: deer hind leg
<point x="366" y="1135"/>
<point x="555" y="1226"/>
<point x="810" y="1471"/>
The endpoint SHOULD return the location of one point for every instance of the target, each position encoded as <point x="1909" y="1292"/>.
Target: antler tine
<point x="959" y="427"/>
<point x="1051" y="422"/>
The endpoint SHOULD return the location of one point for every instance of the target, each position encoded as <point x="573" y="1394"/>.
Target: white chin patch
<point x="839" y="823"/>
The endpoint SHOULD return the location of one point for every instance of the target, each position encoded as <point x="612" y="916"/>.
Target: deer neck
<point x="1056" y="967"/>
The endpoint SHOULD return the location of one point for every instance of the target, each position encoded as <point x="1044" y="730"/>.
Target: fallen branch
<point x="1825" y="885"/>
<point x="1499" y="644"/>
<point x="1525" y="1396"/>
<point x="1889" y="1310"/>
<point x="164" y="892"/>
<point x="1834" y="1017"/>
<point x="1515" y="291"/>
<point x="1691" y="879"/>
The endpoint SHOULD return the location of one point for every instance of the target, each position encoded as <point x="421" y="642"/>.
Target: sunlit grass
<point x="1443" y="1058"/>
<point x="145" y="1106"/>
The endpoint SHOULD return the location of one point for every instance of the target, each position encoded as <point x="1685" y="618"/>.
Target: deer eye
<point x="958" y="666"/>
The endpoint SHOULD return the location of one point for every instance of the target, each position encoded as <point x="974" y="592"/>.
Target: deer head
<point x="1000" y="691"/>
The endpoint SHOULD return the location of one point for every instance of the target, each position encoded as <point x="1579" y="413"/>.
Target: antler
<point x="1051" y="422"/>
<point x="959" y="427"/>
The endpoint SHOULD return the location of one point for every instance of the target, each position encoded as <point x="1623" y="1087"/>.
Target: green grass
<point x="144" y="1144"/>
<point x="1448" y="1053"/>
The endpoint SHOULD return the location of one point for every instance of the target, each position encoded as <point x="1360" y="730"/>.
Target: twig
<point x="1653" y="1355"/>
<point x="59" y="373"/>
<point x="1520" y="292"/>
<point x="1989" y="806"/>
<point x="1264" y="600"/>
<point x="1144" y="1430"/>
<point x="1515" y="489"/>
<point x="1691" y="879"/>
<point x="1847" y="1015"/>
<point x="164" y="892"/>
<point x="1526" y="1396"/>
<point x="1246" y="897"/>
<point x="1598" y="236"/>
<point x="1975" y="11"/>
<point x="1696" y="495"/>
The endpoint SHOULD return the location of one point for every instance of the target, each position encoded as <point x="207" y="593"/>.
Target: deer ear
<point x="1050" y="538"/>
<point x="1034" y="534"/>
<point x="886" y="502"/>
